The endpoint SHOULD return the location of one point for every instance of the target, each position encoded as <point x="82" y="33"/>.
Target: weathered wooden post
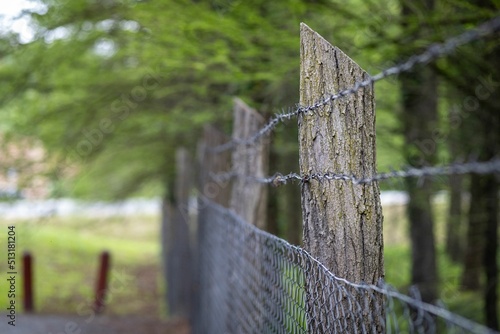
<point x="179" y="276"/>
<point x="209" y="280"/>
<point x="249" y="201"/>
<point x="166" y="221"/>
<point x="342" y="220"/>
<point x="210" y="163"/>
<point x="249" y="198"/>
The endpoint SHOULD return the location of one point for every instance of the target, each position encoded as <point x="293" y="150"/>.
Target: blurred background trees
<point x="111" y="88"/>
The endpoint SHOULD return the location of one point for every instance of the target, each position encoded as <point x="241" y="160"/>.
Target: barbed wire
<point x="433" y="52"/>
<point x="485" y="167"/>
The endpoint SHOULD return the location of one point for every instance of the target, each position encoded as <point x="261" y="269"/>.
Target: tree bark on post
<point x="482" y="251"/>
<point x="249" y="198"/>
<point x="179" y="276"/>
<point x="212" y="163"/>
<point x="207" y="278"/>
<point x="342" y="220"/>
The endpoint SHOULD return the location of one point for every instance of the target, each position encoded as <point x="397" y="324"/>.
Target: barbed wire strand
<point x="433" y="52"/>
<point x="485" y="167"/>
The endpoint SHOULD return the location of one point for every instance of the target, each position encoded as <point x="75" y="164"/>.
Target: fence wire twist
<point x="254" y="282"/>
<point x="433" y="52"/>
<point x="486" y="167"/>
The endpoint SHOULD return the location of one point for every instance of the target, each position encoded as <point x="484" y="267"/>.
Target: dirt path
<point x="49" y="324"/>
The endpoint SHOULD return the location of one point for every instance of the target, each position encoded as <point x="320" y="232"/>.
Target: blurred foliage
<point x="115" y="87"/>
<point x="111" y="88"/>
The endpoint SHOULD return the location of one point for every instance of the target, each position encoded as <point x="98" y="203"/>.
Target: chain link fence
<point x="253" y="282"/>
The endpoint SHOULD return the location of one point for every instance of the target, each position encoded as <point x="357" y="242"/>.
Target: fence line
<point x="273" y="281"/>
<point x="476" y="167"/>
<point x="433" y="52"/>
<point x="250" y="281"/>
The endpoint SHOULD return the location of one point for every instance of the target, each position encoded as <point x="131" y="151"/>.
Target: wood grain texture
<point x="213" y="163"/>
<point x="342" y="221"/>
<point x="248" y="198"/>
<point x="179" y="256"/>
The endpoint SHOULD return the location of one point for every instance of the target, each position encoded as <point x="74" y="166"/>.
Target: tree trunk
<point x="473" y="258"/>
<point x="424" y="270"/>
<point x="342" y="220"/>
<point x="491" y="252"/>
<point x="454" y="224"/>
<point x="484" y="141"/>
<point x="454" y="235"/>
<point x="419" y="118"/>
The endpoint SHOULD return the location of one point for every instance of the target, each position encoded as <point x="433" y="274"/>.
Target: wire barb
<point x="486" y="167"/>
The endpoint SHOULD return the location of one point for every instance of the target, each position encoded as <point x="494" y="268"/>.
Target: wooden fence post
<point x="212" y="163"/>
<point x="249" y="201"/>
<point x="166" y="222"/>
<point x="342" y="220"/>
<point x="209" y="162"/>
<point x="179" y="275"/>
<point x="248" y="198"/>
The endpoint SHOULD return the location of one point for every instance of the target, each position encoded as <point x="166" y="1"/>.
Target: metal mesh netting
<point x="253" y="282"/>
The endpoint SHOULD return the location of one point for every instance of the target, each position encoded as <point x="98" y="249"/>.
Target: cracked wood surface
<point x="342" y="221"/>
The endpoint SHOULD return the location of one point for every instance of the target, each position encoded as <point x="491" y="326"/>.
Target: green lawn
<point x="66" y="252"/>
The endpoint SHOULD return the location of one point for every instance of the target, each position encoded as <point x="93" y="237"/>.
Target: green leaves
<point x="141" y="77"/>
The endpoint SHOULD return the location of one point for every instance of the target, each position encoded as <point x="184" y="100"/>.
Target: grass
<point x="66" y="252"/>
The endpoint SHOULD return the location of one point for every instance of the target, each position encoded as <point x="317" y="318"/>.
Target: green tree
<point x="129" y="80"/>
<point x="419" y="117"/>
<point x="472" y="73"/>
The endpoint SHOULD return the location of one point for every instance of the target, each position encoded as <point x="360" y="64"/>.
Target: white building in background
<point x="11" y="187"/>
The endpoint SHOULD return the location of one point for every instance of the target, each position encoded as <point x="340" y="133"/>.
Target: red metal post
<point x="102" y="282"/>
<point x="28" y="282"/>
